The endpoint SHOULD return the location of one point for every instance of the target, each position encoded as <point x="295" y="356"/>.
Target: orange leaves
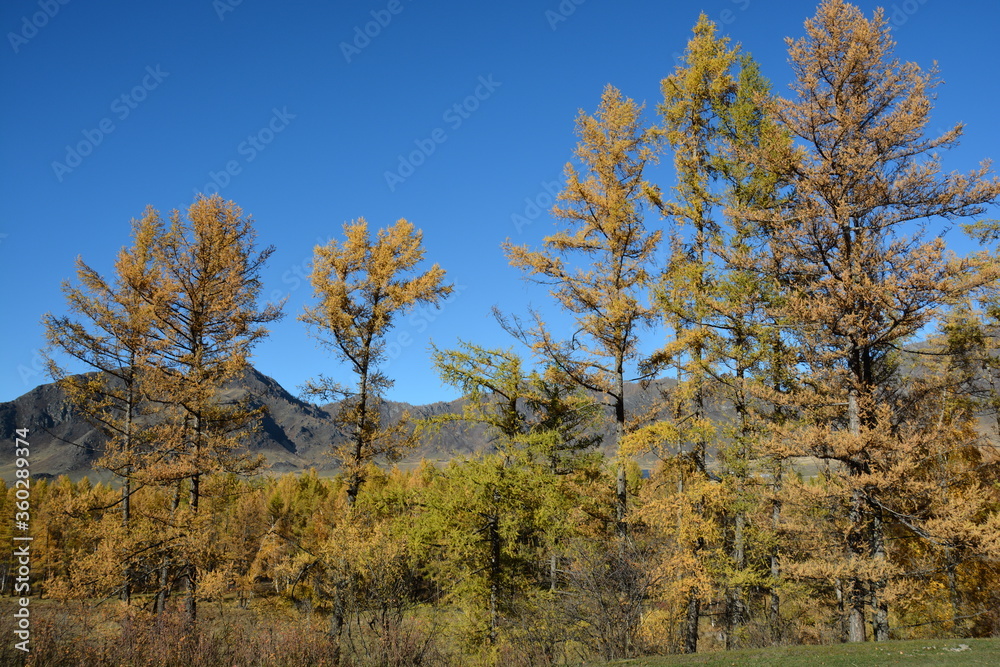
<point x="598" y="265"/>
<point x="362" y="285"/>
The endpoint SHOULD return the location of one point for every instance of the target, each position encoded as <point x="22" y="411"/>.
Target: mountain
<point x="294" y="435"/>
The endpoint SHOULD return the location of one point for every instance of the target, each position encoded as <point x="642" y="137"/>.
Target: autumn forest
<point x="825" y="426"/>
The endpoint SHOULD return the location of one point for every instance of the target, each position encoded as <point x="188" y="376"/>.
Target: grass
<point x="917" y="652"/>
<point x="272" y="633"/>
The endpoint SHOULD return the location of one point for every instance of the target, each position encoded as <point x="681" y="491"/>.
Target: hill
<point x="294" y="434"/>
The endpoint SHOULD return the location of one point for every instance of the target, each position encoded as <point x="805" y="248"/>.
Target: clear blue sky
<point x="308" y="117"/>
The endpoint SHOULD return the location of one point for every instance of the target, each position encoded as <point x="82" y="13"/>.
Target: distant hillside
<point x="295" y="435"/>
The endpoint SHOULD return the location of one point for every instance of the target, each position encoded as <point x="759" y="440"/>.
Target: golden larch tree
<point x="110" y="327"/>
<point x="599" y="266"/>
<point x="362" y="284"/>
<point x="714" y="102"/>
<point x="859" y="248"/>
<point x="208" y="320"/>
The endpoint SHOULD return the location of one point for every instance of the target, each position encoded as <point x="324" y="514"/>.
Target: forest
<point x="825" y="427"/>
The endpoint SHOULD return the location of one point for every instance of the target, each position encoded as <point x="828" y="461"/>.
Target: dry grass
<point x="82" y="635"/>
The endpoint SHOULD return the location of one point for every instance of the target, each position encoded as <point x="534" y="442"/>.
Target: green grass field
<point x="920" y="652"/>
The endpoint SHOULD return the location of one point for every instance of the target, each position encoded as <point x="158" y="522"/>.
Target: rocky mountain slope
<point x="294" y="435"/>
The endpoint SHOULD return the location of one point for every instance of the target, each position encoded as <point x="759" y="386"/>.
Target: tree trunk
<point x="126" y="595"/>
<point x="838" y="590"/>
<point x="354" y="483"/>
<point x="493" y="535"/>
<point x="621" y="485"/>
<point x="954" y="598"/>
<point x="735" y="607"/>
<point x="621" y="500"/>
<point x="190" y="578"/>
<point x="190" y="592"/>
<point x="775" y="606"/>
<point x="880" y="618"/>
<point x="689" y="634"/>
<point x="857" y="592"/>
<point x="691" y="617"/>
<point x="855" y="611"/>
<point x="337" y="622"/>
<point x="164" y="590"/>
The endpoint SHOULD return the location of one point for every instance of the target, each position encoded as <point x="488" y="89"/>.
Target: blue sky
<point x="294" y="112"/>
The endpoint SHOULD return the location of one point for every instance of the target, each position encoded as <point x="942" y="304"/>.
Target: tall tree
<point x="110" y="328"/>
<point x="695" y="96"/>
<point x="861" y="275"/>
<point x="362" y="285"/>
<point x="715" y="101"/>
<point x="208" y="321"/>
<point x="599" y="267"/>
<point x="173" y="329"/>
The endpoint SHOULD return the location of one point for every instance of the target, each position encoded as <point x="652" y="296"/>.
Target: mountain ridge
<point x="293" y="435"/>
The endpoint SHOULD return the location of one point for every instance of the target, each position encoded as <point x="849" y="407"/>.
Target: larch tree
<point x="489" y="496"/>
<point x="501" y="513"/>
<point x="362" y="285"/>
<point x="208" y="320"/>
<point x="861" y="272"/>
<point x="481" y="524"/>
<point x="715" y="101"/>
<point x="694" y="99"/>
<point x="110" y="328"/>
<point x="532" y="418"/>
<point x="532" y="412"/>
<point x="952" y="495"/>
<point x="167" y="335"/>
<point x="599" y="266"/>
